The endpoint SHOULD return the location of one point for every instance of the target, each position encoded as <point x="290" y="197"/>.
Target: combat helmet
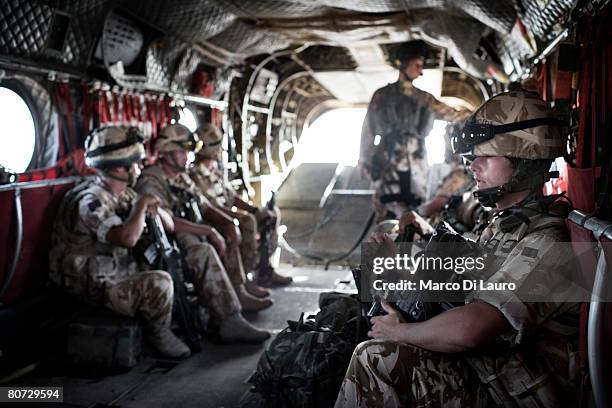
<point x="111" y="147"/>
<point x="520" y="126"/>
<point x="211" y="138"/>
<point x="177" y="137"/>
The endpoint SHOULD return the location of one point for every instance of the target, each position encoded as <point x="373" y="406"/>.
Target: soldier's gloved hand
<point x="387" y="327"/>
<point x="217" y="241"/>
<point x="149" y="202"/>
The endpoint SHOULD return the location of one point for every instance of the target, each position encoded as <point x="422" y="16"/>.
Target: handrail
<point x="595" y="329"/>
<point x="24" y="185"/>
<point x="19" y="218"/>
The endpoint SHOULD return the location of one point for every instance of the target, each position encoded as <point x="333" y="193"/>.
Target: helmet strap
<point x="529" y="175"/>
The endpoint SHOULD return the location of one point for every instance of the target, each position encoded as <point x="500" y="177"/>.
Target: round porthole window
<point x="17" y="131"/>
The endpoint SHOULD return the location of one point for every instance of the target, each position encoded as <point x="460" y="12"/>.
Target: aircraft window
<point x="435" y="144"/>
<point x="188" y="118"/>
<point x="17" y="131"/>
<point x="332" y="138"/>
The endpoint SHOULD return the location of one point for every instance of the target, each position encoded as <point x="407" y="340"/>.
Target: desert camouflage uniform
<point x="400" y="107"/>
<point x="532" y="365"/>
<point x="212" y="283"/>
<point x="85" y="264"/>
<point x="212" y="184"/>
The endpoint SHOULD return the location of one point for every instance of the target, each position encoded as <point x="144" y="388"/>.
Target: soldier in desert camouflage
<point x="496" y="349"/>
<point x="205" y="247"/>
<point x="392" y="151"/>
<point x="98" y="222"/>
<point x="207" y="176"/>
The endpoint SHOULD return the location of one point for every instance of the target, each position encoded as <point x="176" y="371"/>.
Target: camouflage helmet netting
<point x="99" y="151"/>
<point x="541" y="142"/>
<point x="211" y="137"/>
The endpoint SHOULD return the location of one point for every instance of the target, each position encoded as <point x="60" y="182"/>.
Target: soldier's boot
<point x="273" y="278"/>
<point x="235" y="328"/>
<point x="256" y="290"/>
<point x="167" y="344"/>
<point x="251" y="303"/>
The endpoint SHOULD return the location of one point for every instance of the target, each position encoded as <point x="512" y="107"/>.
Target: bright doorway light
<point x="334" y="137"/>
<point x="17" y="132"/>
<point x="188" y="119"/>
<point x="435" y="143"/>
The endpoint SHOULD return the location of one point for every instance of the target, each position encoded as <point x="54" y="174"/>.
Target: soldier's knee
<point x="365" y="350"/>
<point x="159" y="279"/>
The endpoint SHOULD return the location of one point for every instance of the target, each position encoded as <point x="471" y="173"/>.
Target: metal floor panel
<point x="215" y="377"/>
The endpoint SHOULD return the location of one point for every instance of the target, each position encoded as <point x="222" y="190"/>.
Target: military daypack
<point x="306" y="362"/>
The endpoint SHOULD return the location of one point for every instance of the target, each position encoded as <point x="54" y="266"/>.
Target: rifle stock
<point x="264" y="267"/>
<point x="186" y="313"/>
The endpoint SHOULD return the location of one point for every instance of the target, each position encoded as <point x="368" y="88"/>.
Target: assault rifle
<point x="264" y="268"/>
<point x="190" y="210"/>
<point x="186" y="306"/>
<point x="412" y="307"/>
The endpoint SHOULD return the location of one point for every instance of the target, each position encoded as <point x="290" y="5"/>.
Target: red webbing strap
<point x="60" y="136"/>
<point x="137" y="111"/>
<point x="162" y="112"/>
<point x="65" y="101"/>
<point x="87" y="108"/>
<point x="104" y="108"/>
<point x="116" y="114"/>
<point x="169" y="112"/>
<point x="127" y="110"/>
<point x="542" y="79"/>
<point x="216" y="117"/>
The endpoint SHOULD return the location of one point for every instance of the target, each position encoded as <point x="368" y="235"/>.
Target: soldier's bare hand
<point x="386" y="327"/>
<point x="217" y="241"/>
<point x="232" y="233"/>
<point x="413" y="218"/>
<point x="149" y="201"/>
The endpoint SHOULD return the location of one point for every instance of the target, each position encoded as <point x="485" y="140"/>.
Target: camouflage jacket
<point x="400" y="108"/>
<point x="153" y="180"/>
<point x="533" y="364"/>
<point x="82" y="261"/>
<point x="211" y="183"/>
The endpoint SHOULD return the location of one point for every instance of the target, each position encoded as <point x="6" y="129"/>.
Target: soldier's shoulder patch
<point x="530" y="252"/>
<point x="94" y="204"/>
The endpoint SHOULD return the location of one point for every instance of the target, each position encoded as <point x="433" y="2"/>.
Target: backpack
<point x="303" y="366"/>
<point x="343" y="314"/>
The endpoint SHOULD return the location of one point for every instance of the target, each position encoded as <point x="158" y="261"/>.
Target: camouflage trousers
<point x="385" y="374"/>
<point x="214" y="288"/>
<point x="404" y="179"/>
<point x="249" y="244"/>
<point x="147" y="295"/>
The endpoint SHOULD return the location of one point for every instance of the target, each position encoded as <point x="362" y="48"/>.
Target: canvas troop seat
<point x="596" y="316"/>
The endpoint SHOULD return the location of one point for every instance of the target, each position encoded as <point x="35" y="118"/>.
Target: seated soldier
<point x="205" y="173"/>
<point x="98" y="222"/>
<point x="169" y="181"/>
<point x="496" y="349"/>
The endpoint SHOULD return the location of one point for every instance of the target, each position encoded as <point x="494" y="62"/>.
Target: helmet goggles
<point x="473" y="134"/>
<point x="192" y="144"/>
